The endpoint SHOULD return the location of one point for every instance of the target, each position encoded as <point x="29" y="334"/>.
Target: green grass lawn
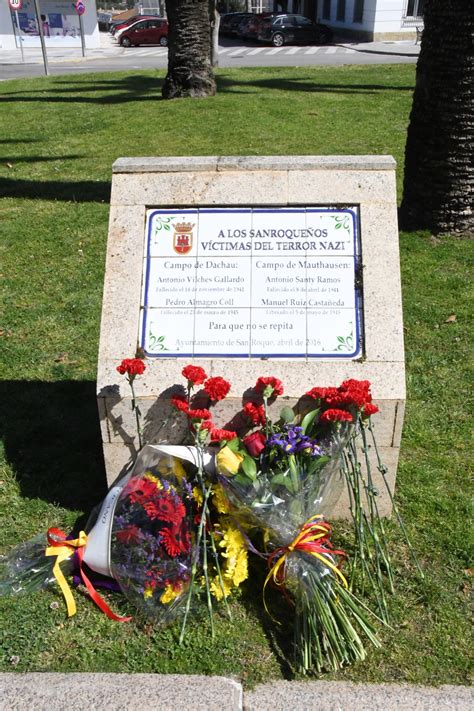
<point x="59" y="137"/>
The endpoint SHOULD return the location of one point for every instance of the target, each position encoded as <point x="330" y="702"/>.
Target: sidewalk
<point x="110" y="48"/>
<point x="155" y="692"/>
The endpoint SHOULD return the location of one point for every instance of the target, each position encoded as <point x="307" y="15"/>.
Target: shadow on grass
<point x="4" y="141"/>
<point x="125" y="89"/>
<point x="51" y="438"/>
<point x="304" y="85"/>
<point x="37" y="159"/>
<point x="137" y="87"/>
<point x="79" y="191"/>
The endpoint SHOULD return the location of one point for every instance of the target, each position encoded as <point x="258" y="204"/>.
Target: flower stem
<point x="137" y="412"/>
<point x="194" y="565"/>
<point x="383" y="470"/>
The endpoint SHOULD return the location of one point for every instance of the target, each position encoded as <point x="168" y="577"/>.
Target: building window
<point x="358" y="10"/>
<point x="327" y="10"/>
<point x="414" y="8"/>
<point x="341" y="10"/>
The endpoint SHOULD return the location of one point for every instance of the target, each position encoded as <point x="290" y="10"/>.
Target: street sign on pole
<point x="80" y="9"/>
<point x="15" y="5"/>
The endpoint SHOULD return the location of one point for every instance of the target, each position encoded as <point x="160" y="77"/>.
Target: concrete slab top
<point x="177" y="164"/>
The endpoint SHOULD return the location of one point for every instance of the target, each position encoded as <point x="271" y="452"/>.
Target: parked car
<point x="249" y="27"/>
<point x="145" y="32"/>
<point x="229" y="23"/>
<point x="120" y="24"/>
<point x="104" y="19"/>
<point x="293" y="29"/>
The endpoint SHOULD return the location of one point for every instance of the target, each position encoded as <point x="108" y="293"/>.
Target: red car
<point x="145" y="32"/>
<point x="119" y="25"/>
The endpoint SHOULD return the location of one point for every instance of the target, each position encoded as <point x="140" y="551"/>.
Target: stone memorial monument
<point x="250" y="266"/>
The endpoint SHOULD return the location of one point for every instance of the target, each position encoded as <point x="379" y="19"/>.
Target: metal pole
<point x="39" y="23"/>
<point x="19" y="37"/>
<point x="83" y="43"/>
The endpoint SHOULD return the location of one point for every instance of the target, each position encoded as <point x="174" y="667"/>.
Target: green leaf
<point x="317" y="464"/>
<point x="167" y="227"/>
<point x="338" y="225"/>
<point x="234" y="445"/>
<point x="309" y="419"/>
<point x="341" y="339"/>
<point x="284" y="480"/>
<point x="249" y="467"/>
<point x="287" y="414"/>
<point x="241" y="479"/>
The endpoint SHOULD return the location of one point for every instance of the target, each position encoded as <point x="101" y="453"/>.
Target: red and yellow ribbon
<point x="63" y="549"/>
<point x="313" y="539"/>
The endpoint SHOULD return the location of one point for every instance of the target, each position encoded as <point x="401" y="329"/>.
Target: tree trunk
<point x="189" y="56"/>
<point x="215" y="23"/>
<point x="438" y="192"/>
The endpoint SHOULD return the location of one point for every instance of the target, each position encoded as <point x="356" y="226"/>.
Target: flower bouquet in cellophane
<point x="282" y="479"/>
<point x="161" y="537"/>
<point x="142" y="541"/>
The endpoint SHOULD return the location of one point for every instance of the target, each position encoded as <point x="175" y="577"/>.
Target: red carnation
<point x="199" y="414"/>
<point x="207" y="425"/>
<point x="131" y="367"/>
<point x="317" y="393"/>
<point x="217" y="388"/>
<point x="255" y="413"/>
<point x="180" y="403"/>
<point x="269" y="386"/>
<point x="355" y="392"/>
<point x="369" y="409"/>
<point x="194" y="374"/>
<point x="335" y="415"/>
<point x="255" y="443"/>
<point x="218" y="435"/>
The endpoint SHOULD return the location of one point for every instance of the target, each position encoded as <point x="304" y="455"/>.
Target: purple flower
<point x="293" y="441"/>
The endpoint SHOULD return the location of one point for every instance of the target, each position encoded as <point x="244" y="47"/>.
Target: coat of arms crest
<point x="183" y="237"/>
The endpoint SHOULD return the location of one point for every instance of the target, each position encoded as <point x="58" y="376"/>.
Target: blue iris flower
<point x="293" y="441"/>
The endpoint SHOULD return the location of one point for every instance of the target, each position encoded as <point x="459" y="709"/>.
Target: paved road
<point x="111" y="57"/>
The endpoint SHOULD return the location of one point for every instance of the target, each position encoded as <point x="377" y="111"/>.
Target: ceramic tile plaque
<point x="252" y="282"/>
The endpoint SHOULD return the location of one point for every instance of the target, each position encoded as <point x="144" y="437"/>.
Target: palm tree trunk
<point x="438" y="191"/>
<point x="189" y="58"/>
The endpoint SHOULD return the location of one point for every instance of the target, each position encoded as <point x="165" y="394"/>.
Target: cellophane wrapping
<point x="26" y="569"/>
<point x="286" y="495"/>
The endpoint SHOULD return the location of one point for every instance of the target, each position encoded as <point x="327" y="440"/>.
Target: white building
<point x="60" y="25"/>
<point x="361" y="19"/>
<point x="373" y="19"/>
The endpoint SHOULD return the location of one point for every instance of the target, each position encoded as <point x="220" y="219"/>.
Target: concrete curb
<point x="380" y="48"/>
<point x="117" y="692"/>
<point x="155" y="692"/>
<point x="346" y="696"/>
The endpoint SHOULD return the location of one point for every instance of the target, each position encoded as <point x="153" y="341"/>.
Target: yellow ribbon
<point x="306" y="542"/>
<point x="63" y="550"/>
